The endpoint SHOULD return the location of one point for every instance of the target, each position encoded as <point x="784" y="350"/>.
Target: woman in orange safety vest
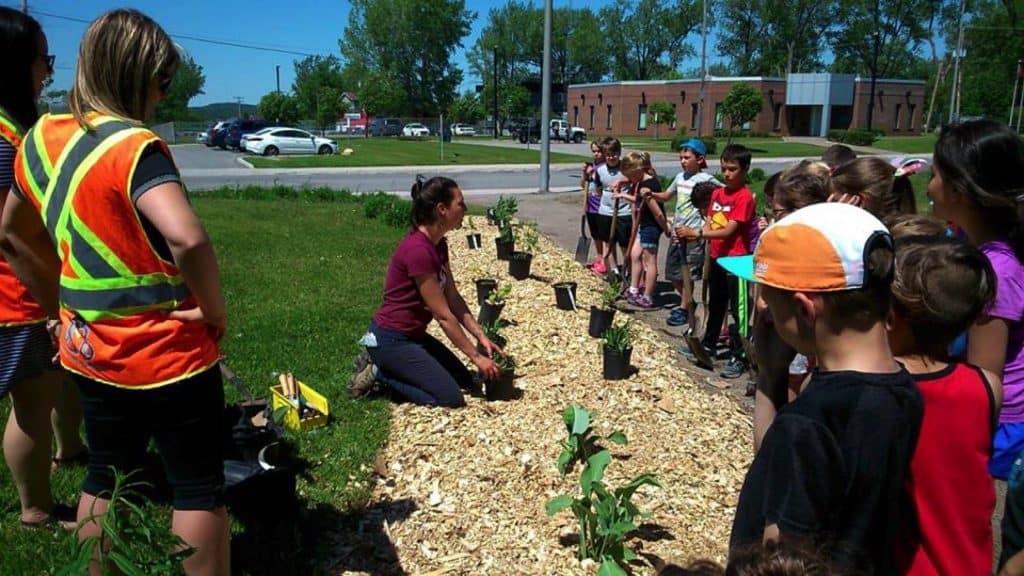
<point x="38" y="388"/>
<point x="104" y="235"/>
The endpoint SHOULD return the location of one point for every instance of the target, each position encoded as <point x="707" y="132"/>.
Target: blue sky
<point x="305" y="26"/>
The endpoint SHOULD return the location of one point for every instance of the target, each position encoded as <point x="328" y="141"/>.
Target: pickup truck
<point x="529" y="131"/>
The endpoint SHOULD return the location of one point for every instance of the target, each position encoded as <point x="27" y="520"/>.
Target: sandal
<point x="80" y="459"/>
<point x="62" y="516"/>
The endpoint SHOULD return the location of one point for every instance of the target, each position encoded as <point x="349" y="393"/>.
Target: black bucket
<point x="484" y="287"/>
<point x="600" y="320"/>
<point x="503" y="388"/>
<point x="616" y="364"/>
<point x="519" y="265"/>
<point x="489" y="312"/>
<point x="565" y="295"/>
<point x="473" y="241"/>
<point x="505" y="248"/>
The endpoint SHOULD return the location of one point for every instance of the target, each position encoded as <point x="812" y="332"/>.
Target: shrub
<point x="755" y="175"/>
<point x="683" y="136"/>
<point x="397" y="214"/>
<point x="711" y="144"/>
<point x="375" y="204"/>
<point x="854" y="136"/>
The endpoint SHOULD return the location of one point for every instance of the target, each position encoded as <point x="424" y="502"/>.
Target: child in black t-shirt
<point x="649" y="215"/>
<point x="832" y="466"/>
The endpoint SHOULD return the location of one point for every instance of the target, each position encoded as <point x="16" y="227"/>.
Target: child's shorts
<point x="649" y="236"/>
<point x="694" y="258"/>
<point x="1007" y="444"/>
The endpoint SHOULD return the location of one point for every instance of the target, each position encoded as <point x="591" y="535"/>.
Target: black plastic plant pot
<point x="503" y="388"/>
<point x="484" y="287"/>
<point x="600" y="320"/>
<point x="519" y="265"/>
<point x="473" y="241"/>
<point x="489" y="312"/>
<point x="501" y="342"/>
<point x="505" y="247"/>
<point x="565" y="295"/>
<point x="491" y="218"/>
<point x="616" y="364"/>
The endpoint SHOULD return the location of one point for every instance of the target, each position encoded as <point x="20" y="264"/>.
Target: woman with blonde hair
<point x="102" y="233"/>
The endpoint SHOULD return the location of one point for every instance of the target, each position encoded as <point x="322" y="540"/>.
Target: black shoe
<point x="361" y="361"/>
<point x="734" y="369"/>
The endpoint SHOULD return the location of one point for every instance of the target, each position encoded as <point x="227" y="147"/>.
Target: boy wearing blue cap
<point x="683" y="252"/>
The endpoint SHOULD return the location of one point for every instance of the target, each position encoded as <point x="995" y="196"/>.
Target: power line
<point x="230" y="43"/>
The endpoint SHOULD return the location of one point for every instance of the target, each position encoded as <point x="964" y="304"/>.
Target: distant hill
<point x="222" y="111"/>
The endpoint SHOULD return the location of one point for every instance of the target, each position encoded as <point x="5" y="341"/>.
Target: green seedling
<point x="619" y="336"/>
<point x="499" y="294"/>
<point x="611" y="294"/>
<point x="529" y="237"/>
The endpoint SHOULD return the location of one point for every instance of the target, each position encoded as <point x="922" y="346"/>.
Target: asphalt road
<point x="203" y="168"/>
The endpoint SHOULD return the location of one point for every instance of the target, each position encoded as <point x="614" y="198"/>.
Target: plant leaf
<point x="610" y="567"/>
<point x="628" y="554"/>
<point x="626" y="492"/>
<point x="580" y="419"/>
<point x="617" y="437"/>
<point x="557" y="504"/>
<point x="595" y="466"/>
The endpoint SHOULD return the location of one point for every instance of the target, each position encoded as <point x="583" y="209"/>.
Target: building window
<point x="777" y="116"/>
<point x="641" y="119"/>
<point x="896" y="120"/>
<point x="609" y="127"/>
<point x="674" y="114"/>
<point x="719" y="116"/>
<point x="592" y="115"/>
<point x="694" y="108"/>
<point x="910" y="117"/>
<point x="575" y="115"/>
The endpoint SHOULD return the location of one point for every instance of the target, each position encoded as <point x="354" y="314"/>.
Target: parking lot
<point x="198" y="156"/>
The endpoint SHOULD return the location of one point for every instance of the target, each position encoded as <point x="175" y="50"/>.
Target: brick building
<point x="799" y="105"/>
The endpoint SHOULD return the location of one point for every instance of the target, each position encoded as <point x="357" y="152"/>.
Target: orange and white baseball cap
<point x="820" y="248"/>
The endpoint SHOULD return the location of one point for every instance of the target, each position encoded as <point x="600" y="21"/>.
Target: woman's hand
<point x="216" y="325"/>
<point x="488" y="368"/>
<point x="490" y="348"/>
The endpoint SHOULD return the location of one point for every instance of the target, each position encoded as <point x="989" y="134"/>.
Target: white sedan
<point x="463" y="130"/>
<point x="277" y="140"/>
<point x="415" y="129"/>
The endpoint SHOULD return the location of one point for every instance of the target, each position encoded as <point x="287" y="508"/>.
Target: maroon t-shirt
<point x="404" y="309"/>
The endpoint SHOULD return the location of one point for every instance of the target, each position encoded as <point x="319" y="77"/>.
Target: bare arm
<point x="27" y="247"/>
<point x="729" y="230"/>
<point x="658" y="213"/>
<point x="167" y="208"/>
<point x="986" y="344"/>
<point x="438" y="303"/>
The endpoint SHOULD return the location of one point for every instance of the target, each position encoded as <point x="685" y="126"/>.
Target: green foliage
<point x="610" y="294"/>
<point x="130" y="538"/>
<point x="493" y="330"/>
<point x="504" y="211"/>
<point x="466" y="109"/>
<point x="994" y="43"/>
<point x="756" y="175"/>
<point x="681" y="136"/>
<point x="528" y="236"/>
<point x="279" y="108"/>
<point x="391" y="210"/>
<point x="604" y="516"/>
<point x="773" y="37"/>
<point x="409" y="45"/>
<point x="329" y="106"/>
<point x="619" y="336"/>
<point x="188" y="83"/>
<point x="312" y="75"/>
<point x="900" y="27"/>
<point x="660" y="113"/>
<point x="499" y="294"/>
<point x="854" y="136"/>
<point x="506" y="362"/>
<point x="646" y="38"/>
<point x="742" y="104"/>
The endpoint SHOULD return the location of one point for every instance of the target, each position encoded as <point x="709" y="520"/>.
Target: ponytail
<point x="426" y="195"/>
<point x="885" y="191"/>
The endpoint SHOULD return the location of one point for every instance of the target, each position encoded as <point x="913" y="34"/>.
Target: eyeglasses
<point x="50" y="60"/>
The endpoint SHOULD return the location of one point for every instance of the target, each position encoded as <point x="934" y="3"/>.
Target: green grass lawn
<point x="923" y="144"/>
<point x="760" y="147"/>
<point x="302" y="278"/>
<point x="396" y="152"/>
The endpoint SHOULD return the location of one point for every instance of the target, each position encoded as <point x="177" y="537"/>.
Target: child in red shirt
<point x="727" y="225"/>
<point x="941" y="286"/>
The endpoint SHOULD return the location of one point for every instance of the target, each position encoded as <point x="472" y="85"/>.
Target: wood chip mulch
<point x="463" y="491"/>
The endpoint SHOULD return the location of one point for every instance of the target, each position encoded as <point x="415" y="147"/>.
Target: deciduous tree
<point x="188" y="83"/>
<point x="741" y="105"/>
<point x="279" y="108"/>
<point x="312" y="74"/>
<point x="647" y="38"/>
<point x="465" y="109"/>
<point x="661" y="113"/>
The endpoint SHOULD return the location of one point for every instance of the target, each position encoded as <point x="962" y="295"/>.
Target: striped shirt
<point x="7" y="153"/>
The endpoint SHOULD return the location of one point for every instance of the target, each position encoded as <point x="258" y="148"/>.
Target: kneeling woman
<point x="418" y="288"/>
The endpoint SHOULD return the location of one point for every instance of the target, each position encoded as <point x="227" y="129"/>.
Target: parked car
<point x="463" y="130"/>
<point x="281" y="140"/>
<point x="239" y="128"/>
<point x="385" y="127"/>
<point x="215" y="136"/>
<point x="415" y="129"/>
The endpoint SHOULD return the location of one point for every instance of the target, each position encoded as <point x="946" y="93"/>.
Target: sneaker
<point x="734" y="369"/>
<point x="678" y="317"/>
<point x="361" y="383"/>
<point x="644" y="302"/>
<point x="598" y="267"/>
<point x="360" y="362"/>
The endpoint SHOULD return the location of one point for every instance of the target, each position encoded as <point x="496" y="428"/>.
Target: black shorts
<point x="674" y="259"/>
<point x="623" y="228"/>
<point x="593" y="225"/>
<point x="185" y="419"/>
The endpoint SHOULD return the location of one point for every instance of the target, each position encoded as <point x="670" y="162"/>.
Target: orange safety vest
<point x="115" y="289"/>
<point x="17" y="307"/>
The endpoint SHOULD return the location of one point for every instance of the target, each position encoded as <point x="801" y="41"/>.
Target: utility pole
<point x="940" y="75"/>
<point x="24" y="6"/>
<point x="1013" y="99"/>
<point x="953" y="100"/>
<point x="703" y="66"/>
<point x="874" y="77"/>
<point x="545" y="103"/>
<point x="277" y="73"/>
<point x="239" y="99"/>
<point x="497" y="132"/>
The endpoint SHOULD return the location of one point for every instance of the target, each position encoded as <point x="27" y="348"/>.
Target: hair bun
<point x="417" y="186"/>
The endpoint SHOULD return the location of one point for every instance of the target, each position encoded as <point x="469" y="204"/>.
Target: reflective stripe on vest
<point x="9" y="130"/>
<point x="104" y="287"/>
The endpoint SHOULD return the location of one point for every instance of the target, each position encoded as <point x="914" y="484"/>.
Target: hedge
<point x="854" y="136"/>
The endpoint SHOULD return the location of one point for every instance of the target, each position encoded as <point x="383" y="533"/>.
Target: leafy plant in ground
<point x="499" y="294"/>
<point x="129" y="538"/>
<point x="529" y="237"/>
<point x="492" y="330"/>
<point x="604" y="515"/>
<point x="507" y="363"/>
<point x="611" y="293"/>
<point x="619" y="336"/>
